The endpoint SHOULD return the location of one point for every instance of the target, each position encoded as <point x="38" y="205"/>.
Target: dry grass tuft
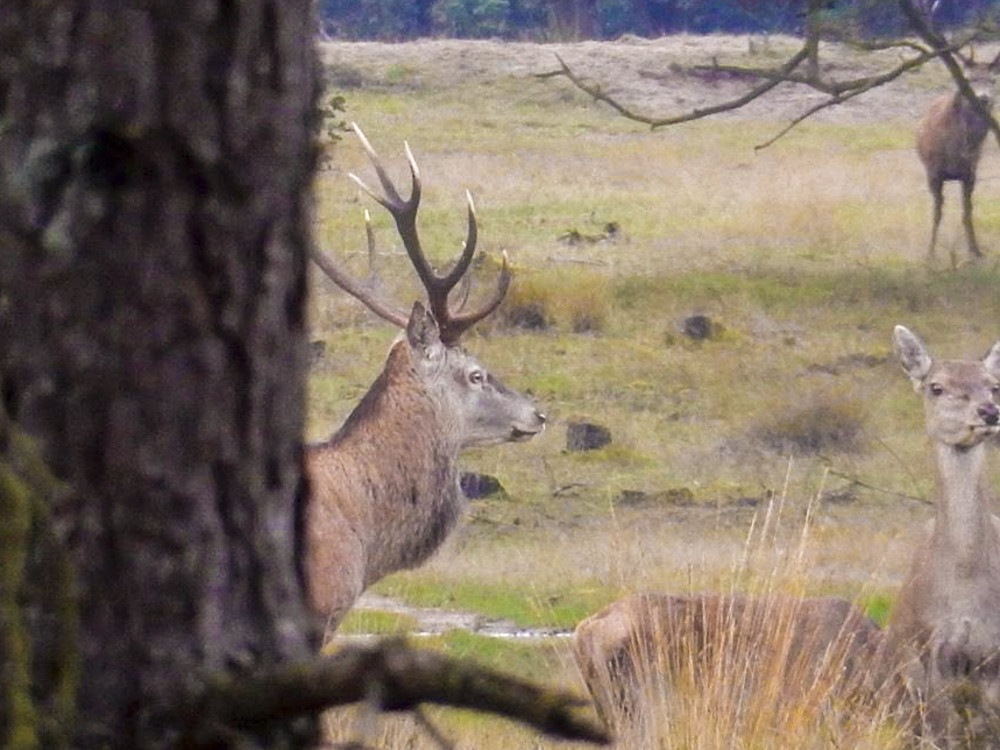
<point x="764" y="668"/>
<point x="816" y="422"/>
<point x="571" y="300"/>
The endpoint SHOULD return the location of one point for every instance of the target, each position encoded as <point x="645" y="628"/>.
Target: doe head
<point x="960" y="396"/>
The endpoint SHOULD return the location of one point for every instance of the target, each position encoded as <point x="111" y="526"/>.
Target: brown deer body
<point x="950" y="143"/>
<point x="637" y="647"/>
<point x="385" y="489"/>
<point x="944" y="635"/>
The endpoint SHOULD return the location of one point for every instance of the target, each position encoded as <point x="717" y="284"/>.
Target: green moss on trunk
<point x="17" y="709"/>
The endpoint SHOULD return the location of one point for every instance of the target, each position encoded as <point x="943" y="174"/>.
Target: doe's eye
<point x="476" y="377"/>
<point x="935" y="389"/>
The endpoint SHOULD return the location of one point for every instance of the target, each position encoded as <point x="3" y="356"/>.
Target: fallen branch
<point x="398" y="678"/>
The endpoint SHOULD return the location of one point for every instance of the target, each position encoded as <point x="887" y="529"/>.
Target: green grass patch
<point x="553" y="608"/>
<point x="878" y="607"/>
<point x="376" y="622"/>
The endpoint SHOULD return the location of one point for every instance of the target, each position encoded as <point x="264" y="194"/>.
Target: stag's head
<point x="477" y="408"/>
<point x="982" y="77"/>
<point x="960" y="396"/>
<point x="484" y="411"/>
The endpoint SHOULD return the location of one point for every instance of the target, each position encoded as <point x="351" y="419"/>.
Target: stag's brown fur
<point x="649" y="638"/>
<point x="945" y="631"/>
<point x="950" y="143"/>
<point x="385" y="488"/>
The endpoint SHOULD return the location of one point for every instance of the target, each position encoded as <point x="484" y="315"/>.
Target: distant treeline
<point x="604" y="19"/>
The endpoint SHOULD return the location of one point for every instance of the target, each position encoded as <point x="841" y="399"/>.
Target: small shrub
<point x="529" y="316"/>
<point x="527" y="305"/>
<point x="702" y="327"/>
<point x="586" y="436"/>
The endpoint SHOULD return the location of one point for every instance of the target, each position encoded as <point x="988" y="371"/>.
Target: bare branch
<point x="401" y="678"/>
<point x="697" y="114"/>
<point x="864" y="86"/>
<point x="838" y="91"/>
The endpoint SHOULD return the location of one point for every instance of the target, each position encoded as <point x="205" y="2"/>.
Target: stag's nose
<point x="989" y="413"/>
<point x="540" y="417"/>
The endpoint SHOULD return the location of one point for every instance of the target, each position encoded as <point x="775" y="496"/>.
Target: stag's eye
<point x="935" y="389"/>
<point x="476" y="377"/>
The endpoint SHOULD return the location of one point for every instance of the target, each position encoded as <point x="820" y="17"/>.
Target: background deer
<point x="385" y="487"/>
<point x="633" y="652"/>
<point x="945" y="631"/>
<point x="950" y="142"/>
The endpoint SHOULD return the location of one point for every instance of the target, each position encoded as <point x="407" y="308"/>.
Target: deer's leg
<point x="967" y="187"/>
<point x="936" y="186"/>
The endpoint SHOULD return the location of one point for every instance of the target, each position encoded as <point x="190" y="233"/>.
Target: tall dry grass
<point x="760" y="666"/>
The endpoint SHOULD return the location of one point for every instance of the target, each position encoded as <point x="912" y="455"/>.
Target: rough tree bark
<point x="154" y="170"/>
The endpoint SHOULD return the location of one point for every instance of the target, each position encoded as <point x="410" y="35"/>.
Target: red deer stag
<point x="950" y="142"/>
<point x="944" y="636"/>
<point x="385" y="485"/>
<point x="634" y="652"/>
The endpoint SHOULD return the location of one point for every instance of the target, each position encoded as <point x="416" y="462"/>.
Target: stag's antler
<point x="344" y="280"/>
<point x="404" y="212"/>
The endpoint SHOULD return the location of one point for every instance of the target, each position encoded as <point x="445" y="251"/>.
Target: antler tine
<point x="438" y="287"/>
<point x="392" y="200"/>
<point x="455" y="326"/>
<point x="342" y="279"/>
<point x="404" y="212"/>
<point x="453" y="276"/>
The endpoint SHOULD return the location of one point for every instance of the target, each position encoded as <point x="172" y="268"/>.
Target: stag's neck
<point x="964" y="533"/>
<point x="400" y="447"/>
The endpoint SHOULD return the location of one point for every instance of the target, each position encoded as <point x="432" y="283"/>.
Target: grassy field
<point x="804" y="254"/>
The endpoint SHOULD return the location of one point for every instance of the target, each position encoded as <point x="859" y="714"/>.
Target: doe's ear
<point x="912" y="354"/>
<point x="992" y="360"/>
<point x="422" y="330"/>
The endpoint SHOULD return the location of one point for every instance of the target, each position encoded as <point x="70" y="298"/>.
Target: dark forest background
<point x="540" y="20"/>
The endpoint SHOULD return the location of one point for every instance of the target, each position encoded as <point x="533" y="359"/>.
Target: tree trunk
<point x="154" y="183"/>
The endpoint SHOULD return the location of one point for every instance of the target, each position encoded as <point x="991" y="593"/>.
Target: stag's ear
<point x="422" y="331"/>
<point x="912" y="354"/>
<point x="992" y="360"/>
